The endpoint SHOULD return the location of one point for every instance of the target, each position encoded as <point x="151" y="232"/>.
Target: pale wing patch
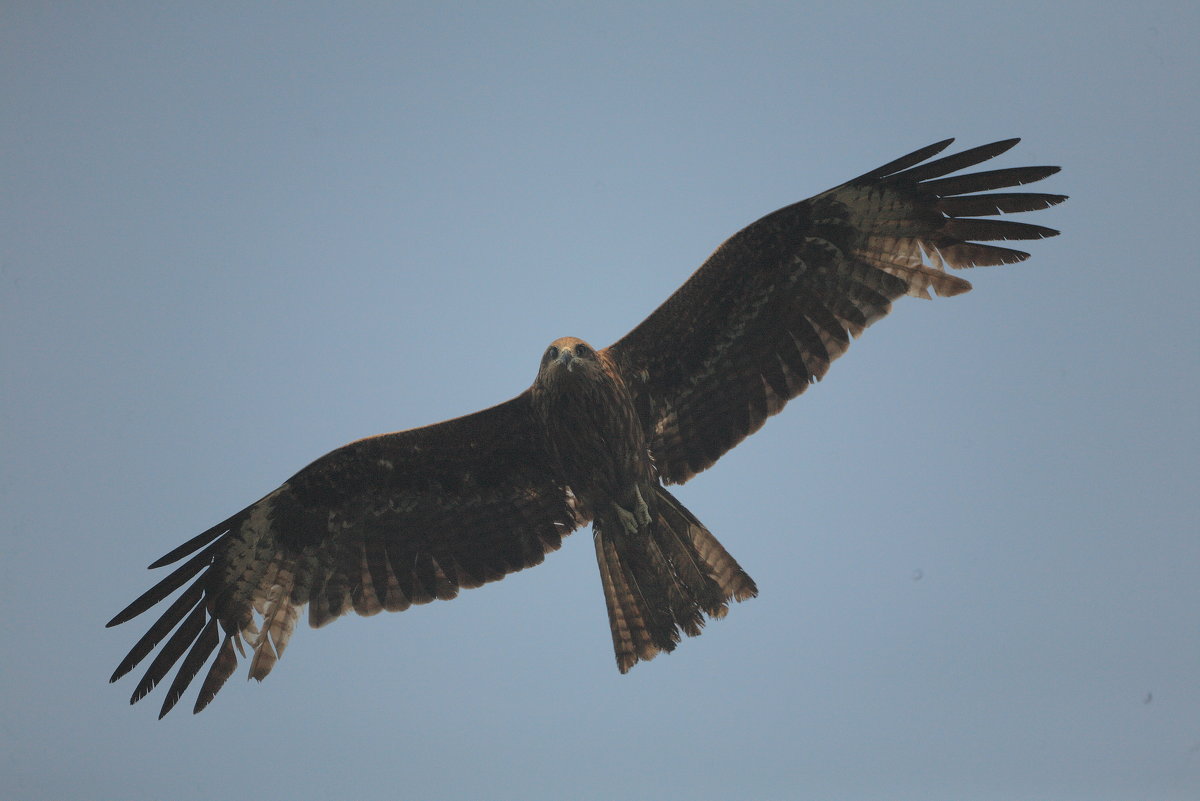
<point x="921" y="267"/>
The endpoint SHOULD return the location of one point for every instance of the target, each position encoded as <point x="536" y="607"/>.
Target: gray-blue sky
<point x="235" y="239"/>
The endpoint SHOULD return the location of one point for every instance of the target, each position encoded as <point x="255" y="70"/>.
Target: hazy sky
<point x="232" y="240"/>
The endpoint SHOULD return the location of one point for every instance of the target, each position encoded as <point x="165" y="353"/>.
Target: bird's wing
<point x="381" y="523"/>
<point x="775" y="304"/>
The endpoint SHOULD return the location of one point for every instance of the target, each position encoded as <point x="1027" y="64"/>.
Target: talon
<point x="628" y="521"/>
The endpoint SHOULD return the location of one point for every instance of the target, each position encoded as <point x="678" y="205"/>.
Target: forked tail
<point x="663" y="578"/>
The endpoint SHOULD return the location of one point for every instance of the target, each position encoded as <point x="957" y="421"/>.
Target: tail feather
<point x="661" y="581"/>
<point x="630" y="633"/>
<point x="732" y="583"/>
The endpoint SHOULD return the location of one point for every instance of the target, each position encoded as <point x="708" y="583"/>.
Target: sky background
<point x="232" y="239"/>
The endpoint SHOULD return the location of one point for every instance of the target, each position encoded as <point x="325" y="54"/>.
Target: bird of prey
<point x="405" y="518"/>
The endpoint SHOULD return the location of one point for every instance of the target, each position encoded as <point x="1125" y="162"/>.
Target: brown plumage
<point x="662" y="571"/>
<point x="406" y="518"/>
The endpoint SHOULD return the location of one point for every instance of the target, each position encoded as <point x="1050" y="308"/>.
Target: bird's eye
<point x="583" y="351"/>
<point x="551" y="353"/>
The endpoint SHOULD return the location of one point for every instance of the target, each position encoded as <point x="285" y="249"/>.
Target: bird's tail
<point x="662" y="577"/>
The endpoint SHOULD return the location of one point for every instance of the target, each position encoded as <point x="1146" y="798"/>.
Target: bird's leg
<point x="637" y="519"/>
<point x="641" y="509"/>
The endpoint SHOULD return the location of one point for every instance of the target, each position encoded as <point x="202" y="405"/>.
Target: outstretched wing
<point x="381" y="523"/>
<point x="778" y="301"/>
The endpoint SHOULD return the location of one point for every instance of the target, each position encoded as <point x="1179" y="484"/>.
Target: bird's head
<point x="568" y="356"/>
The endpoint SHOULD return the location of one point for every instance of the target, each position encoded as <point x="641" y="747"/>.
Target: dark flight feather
<point x="183" y="637"/>
<point x="987" y="180"/>
<point x="195" y="543"/>
<point x="203" y="646"/>
<point x="996" y="203"/>
<point x="403" y="519"/>
<point x="162" y="589"/>
<point x="169" y="620"/>
<point x="904" y="162"/>
<point x="222" y="668"/>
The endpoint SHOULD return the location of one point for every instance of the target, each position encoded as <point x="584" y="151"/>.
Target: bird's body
<point x="594" y="437"/>
<point x="406" y="518"/>
<point x="661" y="570"/>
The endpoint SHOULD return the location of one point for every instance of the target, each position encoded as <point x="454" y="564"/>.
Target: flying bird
<point x="413" y="516"/>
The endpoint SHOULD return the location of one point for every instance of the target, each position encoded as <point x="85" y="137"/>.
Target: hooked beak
<point x="566" y="359"/>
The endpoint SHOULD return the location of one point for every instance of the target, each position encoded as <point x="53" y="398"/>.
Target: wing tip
<point x="125" y="615"/>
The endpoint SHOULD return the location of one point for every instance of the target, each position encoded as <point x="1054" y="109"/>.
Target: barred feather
<point x="664" y="582"/>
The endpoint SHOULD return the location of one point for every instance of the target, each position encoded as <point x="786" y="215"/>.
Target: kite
<point x="409" y="517"/>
